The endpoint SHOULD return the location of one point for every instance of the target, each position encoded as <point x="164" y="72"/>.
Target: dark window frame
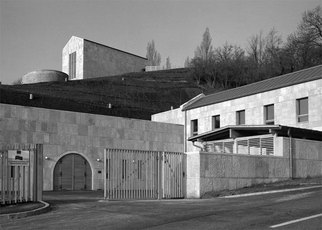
<point x="302" y="116"/>
<point x="239" y="117"/>
<point x="194" y="127"/>
<point x="268" y="121"/>
<point x="72" y="65"/>
<point x="215" y="122"/>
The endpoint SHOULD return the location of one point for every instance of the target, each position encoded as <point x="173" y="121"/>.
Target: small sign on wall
<point x="18" y="155"/>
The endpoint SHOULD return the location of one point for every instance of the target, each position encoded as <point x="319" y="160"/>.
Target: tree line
<point x="265" y="56"/>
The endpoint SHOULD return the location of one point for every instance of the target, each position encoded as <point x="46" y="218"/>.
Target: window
<point x="302" y="109"/>
<point x="194" y="127"/>
<point x="216" y="122"/>
<point x="269" y="114"/>
<point x="240" y="117"/>
<point x="72" y="65"/>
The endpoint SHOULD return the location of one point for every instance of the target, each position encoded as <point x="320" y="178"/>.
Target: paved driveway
<point x="86" y="210"/>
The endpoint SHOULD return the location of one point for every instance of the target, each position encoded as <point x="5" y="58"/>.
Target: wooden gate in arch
<point x="138" y="174"/>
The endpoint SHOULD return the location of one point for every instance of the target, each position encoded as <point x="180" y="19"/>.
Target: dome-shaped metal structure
<point x="44" y="76"/>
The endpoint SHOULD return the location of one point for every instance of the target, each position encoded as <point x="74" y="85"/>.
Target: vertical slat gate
<point x="137" y="174"/>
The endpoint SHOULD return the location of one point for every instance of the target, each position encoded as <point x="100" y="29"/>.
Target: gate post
<point x="104" y="176"/>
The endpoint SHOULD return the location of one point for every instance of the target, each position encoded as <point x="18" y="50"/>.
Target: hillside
<point x="133" y="95"/>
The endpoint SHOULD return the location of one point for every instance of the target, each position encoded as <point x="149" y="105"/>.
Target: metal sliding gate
<point x="137" y="174"/>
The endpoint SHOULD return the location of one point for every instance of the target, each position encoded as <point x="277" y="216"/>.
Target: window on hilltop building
<point x="215" y="122"/>
<point x="194" y="127"/>
<point x="240" y="117"/>
<point x="72" y="65"/>
<point x="269" y="114"/>
<point x="302" y="109"/>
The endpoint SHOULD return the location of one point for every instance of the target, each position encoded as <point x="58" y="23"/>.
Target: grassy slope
<point x="133" y="95"/>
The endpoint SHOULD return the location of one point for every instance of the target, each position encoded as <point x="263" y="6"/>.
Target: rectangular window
<point x="194" y="127"/>
<point x="302" y="109"/>
<point x="240" y="117"/>
<point x="269" y="114"/>
<point x="72" y="65"/>
<point x="215" y="122"/>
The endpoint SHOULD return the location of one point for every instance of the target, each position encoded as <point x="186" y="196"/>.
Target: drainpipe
<point x="185" y="132"/>
<point x="290" y="154"/>
<point x="193" y="143"/>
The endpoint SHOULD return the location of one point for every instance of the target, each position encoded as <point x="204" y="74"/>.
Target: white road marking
<point x="293" y="197"/>
<point x="295" y="221"/>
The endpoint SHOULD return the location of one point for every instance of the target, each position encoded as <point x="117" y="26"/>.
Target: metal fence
<point x="20" y="173"/>
<point x="137" y="174"/>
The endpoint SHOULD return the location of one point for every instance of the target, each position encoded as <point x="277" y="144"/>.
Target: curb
<point x="270" y="192"/>
<point x="18" y="215"/>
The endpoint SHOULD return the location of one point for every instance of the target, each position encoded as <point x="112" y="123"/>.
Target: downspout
<point x="290" y="154"/>
<point x="185" y="132"/>
<point x="199" y="147"/>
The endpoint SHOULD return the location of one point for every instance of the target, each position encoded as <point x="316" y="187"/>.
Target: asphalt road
<point x="87" y="211"/>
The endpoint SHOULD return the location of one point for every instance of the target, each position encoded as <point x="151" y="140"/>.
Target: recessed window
<point x="72" y="65"/>
<point x="269" y="114"/>
<point x="240" y="117"/>
<point x="194" y="127"/>
<point x="215" y="122"/>
<point x="302" y="109"/>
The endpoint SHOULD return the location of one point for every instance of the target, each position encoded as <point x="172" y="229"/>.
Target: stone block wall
<point x="101" y="61"/>
<point x="63" y="132"/>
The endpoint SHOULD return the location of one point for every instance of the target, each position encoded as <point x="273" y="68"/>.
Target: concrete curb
<point x="18" y="215"/>
<point x="270" y="192"/>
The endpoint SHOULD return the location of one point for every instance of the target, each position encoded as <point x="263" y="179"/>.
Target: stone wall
<point x="101" y="61"/>
<point x="63" y="132"/>
<point x="215" y="171"/>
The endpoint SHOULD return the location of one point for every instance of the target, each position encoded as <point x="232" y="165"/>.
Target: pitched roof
<point x="305" y="75"/>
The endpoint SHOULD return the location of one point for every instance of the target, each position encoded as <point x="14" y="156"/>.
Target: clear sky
<point x="33" y="32"/>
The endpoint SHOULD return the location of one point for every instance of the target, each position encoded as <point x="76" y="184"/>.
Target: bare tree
<point x="187" y="62"/>
<point x="205" y="50"/>
<point x="168" y="64"/>
<point x="17" y="82"/>
<point x="153" y="56"/>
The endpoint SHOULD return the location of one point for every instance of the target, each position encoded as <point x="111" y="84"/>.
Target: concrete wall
<point x="63" y="132"/>
<point x="174" y="116"/>
<point x="215" y="171"/>
<point x="101" y="61"/>
<point x="75" y="44"/>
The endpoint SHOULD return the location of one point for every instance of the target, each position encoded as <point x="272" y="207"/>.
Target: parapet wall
<point x="208" y="172"/>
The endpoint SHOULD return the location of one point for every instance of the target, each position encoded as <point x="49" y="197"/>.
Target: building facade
<point x="82" y="59"/>
<point x="258" y="133"/>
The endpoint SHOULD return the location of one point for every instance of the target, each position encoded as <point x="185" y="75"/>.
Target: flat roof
<point x="302" y="76"/>
<point x="233" y="131"/>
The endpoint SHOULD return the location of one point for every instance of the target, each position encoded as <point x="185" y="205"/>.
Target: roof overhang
<point x="234" y="131"/>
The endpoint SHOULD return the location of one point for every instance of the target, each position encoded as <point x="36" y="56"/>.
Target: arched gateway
<point x="72" y="172"/>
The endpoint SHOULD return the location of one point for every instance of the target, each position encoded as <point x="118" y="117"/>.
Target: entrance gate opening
<point x="136" y="174"/>
<point x="72" y="172"/>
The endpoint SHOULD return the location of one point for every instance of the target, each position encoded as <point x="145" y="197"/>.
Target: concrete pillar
<point x="193" y="175"/>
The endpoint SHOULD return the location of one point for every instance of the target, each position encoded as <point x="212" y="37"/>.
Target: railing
<point x="259" y="145"/>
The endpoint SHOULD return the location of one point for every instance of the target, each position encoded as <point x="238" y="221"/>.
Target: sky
<point x="34" y="32"/>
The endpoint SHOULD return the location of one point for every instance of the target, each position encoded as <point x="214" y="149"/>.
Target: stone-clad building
<point x="82" y="59"/>
<point x="262" y="132"/>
